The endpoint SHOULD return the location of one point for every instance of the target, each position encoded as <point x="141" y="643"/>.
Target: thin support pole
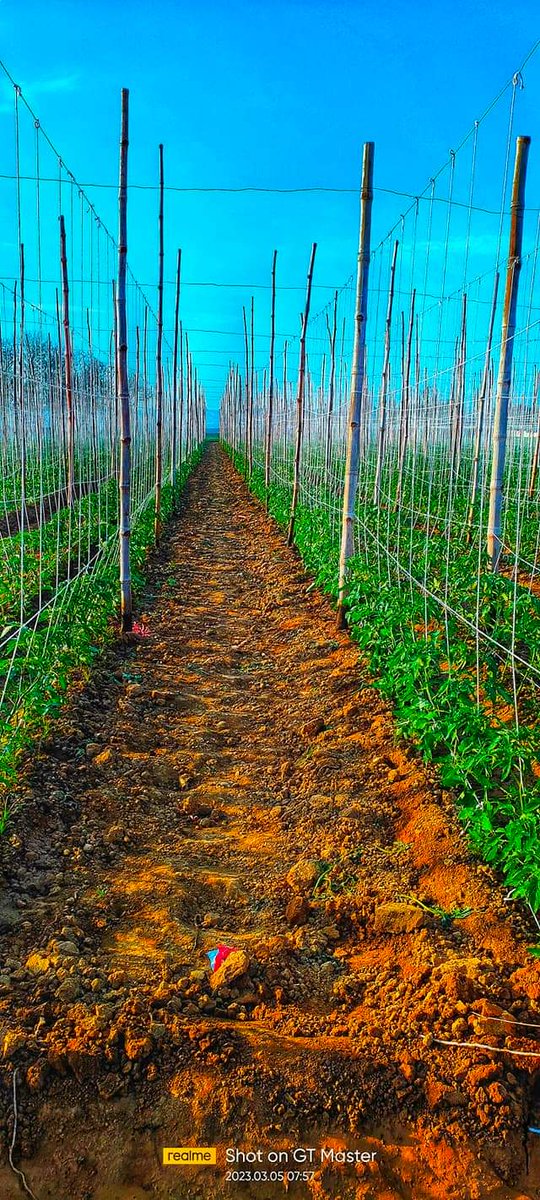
<point x="68" y="368"/>
<point x="500" y="420"/>
<point x="159" y="364"/>
<point x="175" y="371"/>
<point x="357" y="380"/>
<point x="300" y="399"/>
<point x="270" y="413"/>
<point x="332" y="334"/>
<point x="385" y="379"/>
<point x="126" y="597"/>
<point x="252" y="387"/>
<point x="481" y="408"/>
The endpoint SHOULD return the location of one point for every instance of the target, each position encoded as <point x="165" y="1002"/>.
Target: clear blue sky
<point x="280" y="93"/>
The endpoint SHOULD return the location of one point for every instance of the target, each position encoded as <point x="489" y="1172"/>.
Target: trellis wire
<point x="433" y="340"/>
<point x="60" y="401"/>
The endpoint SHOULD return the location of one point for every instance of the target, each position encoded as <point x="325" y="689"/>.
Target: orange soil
<point x="235" y="778"/>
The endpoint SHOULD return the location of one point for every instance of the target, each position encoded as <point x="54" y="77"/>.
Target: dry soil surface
<point x="235" y="778"/>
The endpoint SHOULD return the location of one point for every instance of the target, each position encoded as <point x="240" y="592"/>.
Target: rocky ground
<point x="234" y="778"/>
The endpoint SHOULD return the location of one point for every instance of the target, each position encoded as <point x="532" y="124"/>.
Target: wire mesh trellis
<point x="59" y="413"/>
<point x="422" y="595"/>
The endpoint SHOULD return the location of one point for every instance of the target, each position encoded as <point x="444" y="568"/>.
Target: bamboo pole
<point x="136" y="413"/>
<point x="357" y="380"/>
<point x="92" y="389"/>
<point x="405" y="401"/>
<point x="246" y="415"/>
<point x="145" y="380"/>
<point x="481" y="407"/>
<point x="300" y="399"/>
<point x="114" y="377"/>
<point x="500" y="420"/>
<point x="60" y="385"/>
<point x="270" y="414"/>
<point x="22" y="407"/>
<point x="536" y="454"/>
<point x="159" y="364"/>
<point x="175" y="369"/>
<point x="285" y="407"/>
<point x="460" y="397"/>
<point x="251" y="387"/>
<point x="385" y="378"/>
<point x="332" y="334"/>
<point x="189" y="415"/>
<point x="15" y="369"/>
<point x="126" y="597"/>
<point x="68" y="367"/>
<point x="181" y="418"/>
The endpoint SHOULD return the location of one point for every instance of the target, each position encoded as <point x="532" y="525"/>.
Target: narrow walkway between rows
<point x="234" y="779"/>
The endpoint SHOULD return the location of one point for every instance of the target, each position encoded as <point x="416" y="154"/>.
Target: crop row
<point x="39" y="658"/>
<point x="456" y="649"/>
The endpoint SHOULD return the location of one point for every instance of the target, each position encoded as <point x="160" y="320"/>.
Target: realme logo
<point x="189" y="1156"/>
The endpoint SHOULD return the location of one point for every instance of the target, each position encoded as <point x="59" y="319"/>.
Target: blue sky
<point x="276" y="95"/>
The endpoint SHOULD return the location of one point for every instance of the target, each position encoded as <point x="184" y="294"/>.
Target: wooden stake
<point x="270" y="414"/>
<point x="68" y="367"/>
<point x="385" y="379"/>
<point x="251" y="387"/>
<point x="181" y="420"/>
<point x="405" y="403"/>
<point x="357" y="380"/>
<point x="126" y="598"/>
<point x="300" y="399"/>
<point x="114" y="376"/>
<point x="332" y="334"/>
<point x="175" y="370"/>
<point x="22" y="406"/>
<point x="536" y="454"/>
<point x="246" y="415"/>
<point x="159" y="363"/>
<point x="500" y="420"/>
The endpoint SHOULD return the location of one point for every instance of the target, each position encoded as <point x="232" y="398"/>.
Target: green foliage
<point x="425" y="665"/>
<point x="38" y="664"/>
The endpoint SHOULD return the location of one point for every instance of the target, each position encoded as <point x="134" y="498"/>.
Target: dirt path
<point x="234" y="779"/>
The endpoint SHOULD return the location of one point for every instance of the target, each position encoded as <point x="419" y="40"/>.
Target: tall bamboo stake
<point x="92" y="388"/>
<point x="126" y="599"/>
<point x="385" y="378"/>
<point x="60" y="383"/>
<point x="15" y="368"/>
<point x="246" y="415"/>
<point x="114" y="377"/>
<point x="21" y="391"/>
<point x="137" y="381"/>
<point x="357" y="379"/>
<point x="285" y="409"/>
<point x="270" y="414"/>
<point x="481" y="407"/>
<point x="159" y="363"/>
<point x="68" y="367"/>
<point x="536" y="454"/>
<point x="500" y="420"/>
<point x="251" y="387"/>
<point x="175" y="370"/>
<point x="300" y="399"/>
<point x="332" y="334"/>
<point x="189" y="423"/>
<point x="460" y="396"/>
<point x="181" y="418"/>
<point x="145" y="380"/>
<point x="405" y="402"/>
